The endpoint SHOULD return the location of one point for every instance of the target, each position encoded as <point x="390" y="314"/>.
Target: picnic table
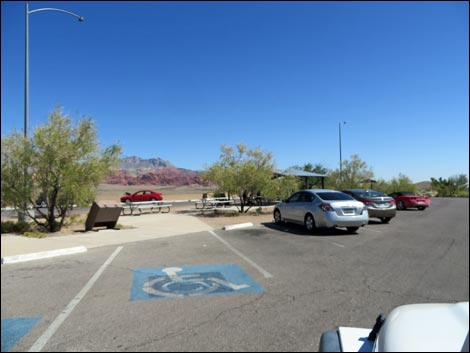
<point x="213" y="202"/>
<point x="153" y="206"/>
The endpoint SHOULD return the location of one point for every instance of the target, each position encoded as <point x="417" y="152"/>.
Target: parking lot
<point x="265" y="288"/>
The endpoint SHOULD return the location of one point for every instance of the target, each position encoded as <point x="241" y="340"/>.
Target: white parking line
<point x="372" y="230"/>
<point x="45" y="337"/>
<point x="265" y="273"/>
<point x="340" y="245"/>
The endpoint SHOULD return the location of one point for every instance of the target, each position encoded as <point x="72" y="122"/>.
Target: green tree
<point x="382" y="186"/>
<point x="402" y="183"/>
<point x="441" y="186"/>
<point x="311" y="182"/>
<point x="61" y="163"/>
<point x="243" y="172"/>
<point x="281" y="188"/>
<point x="353" y="174"/>
<point x="456" y="185"/>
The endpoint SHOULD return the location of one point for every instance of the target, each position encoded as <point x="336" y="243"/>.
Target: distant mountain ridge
<point x="153" y="171"/>
<point x="156" y="171"/>
<point x="424" y="185"/>
<point x="134" y="162"/>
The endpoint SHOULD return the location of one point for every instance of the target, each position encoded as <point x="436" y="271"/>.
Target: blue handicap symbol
<point x="191" y="281"/>
<point x="13" y="330"/>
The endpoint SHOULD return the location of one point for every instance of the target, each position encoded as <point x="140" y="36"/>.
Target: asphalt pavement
<point x="280" y="286"/>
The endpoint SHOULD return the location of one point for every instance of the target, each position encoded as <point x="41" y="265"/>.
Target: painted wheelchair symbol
<point x="178" y="286"/>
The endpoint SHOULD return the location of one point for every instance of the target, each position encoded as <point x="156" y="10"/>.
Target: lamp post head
<point x="81" y="19"/>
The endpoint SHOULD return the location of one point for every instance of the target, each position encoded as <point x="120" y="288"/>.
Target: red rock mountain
<point x="154" y="171"/>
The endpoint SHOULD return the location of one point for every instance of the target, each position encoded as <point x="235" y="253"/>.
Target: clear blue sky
<point x="176" y="80"/>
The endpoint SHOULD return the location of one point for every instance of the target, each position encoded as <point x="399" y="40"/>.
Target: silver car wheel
<point x="277" y="217"/>
<point x="309" y="223"/>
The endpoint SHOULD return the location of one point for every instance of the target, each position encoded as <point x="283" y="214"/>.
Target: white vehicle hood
<point x="425" y="327"/>
<point x="414" y="328"/>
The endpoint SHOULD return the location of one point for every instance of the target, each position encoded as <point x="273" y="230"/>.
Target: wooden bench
<point x="157" y="206"/>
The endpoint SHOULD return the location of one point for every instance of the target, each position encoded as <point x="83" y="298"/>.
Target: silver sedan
<point x="321" y="208"/>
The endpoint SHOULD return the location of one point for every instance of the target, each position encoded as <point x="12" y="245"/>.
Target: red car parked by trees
<point x="142" y="195"/>
<point x="406" y="200"/>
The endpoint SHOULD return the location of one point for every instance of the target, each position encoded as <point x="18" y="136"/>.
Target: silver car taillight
<point x="326" y="207"/>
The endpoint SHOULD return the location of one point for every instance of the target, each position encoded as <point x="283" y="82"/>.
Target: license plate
<point x="348" y="210"/>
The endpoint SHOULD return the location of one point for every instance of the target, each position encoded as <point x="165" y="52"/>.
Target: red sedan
<point x="142" y="195"/>
<point x="406" y="200"/>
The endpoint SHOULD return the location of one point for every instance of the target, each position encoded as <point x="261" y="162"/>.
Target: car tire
<point x="385" y="219"/>
<point x="277" y="216"/>
<point x="421" y="208"/>
<point x="401" y="205"/>
<point x="309" y="223"/>
<point x="352" y="229"/>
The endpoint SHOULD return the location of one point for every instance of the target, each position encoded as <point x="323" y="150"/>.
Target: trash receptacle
<point x="103" y="214"/>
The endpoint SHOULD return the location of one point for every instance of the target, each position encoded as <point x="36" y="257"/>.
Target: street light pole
<point x="26" y="60"/>
<point x="26" y="71"/>
<point x="21" y="215"/>
<point x="340" y="156"/>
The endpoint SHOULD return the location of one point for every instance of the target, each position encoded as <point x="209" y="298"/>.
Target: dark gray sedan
<point x="379" y="205"/>
<point x="320" y="208"/>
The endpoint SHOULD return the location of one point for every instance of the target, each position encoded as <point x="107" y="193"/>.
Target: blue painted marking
<point x="191" y="281"/>
<point x="13" y="330"/>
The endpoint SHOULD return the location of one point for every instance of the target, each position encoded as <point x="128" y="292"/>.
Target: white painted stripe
<point x="45" y="337"/>
<point x="42" y="255"/>
<point x="238" y="226"/>
<point x="372" y="230"/>
<point x="340" y="245"/>
<point x="265" y="273"/>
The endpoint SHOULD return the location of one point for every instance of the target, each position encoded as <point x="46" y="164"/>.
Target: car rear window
<point x="334" y="196"/>
<point x="366" y="194"/>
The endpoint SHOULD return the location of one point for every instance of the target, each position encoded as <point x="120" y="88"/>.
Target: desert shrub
<point x="7" y="227"/>
<point x="230" y="214"/>
<point x="74" y="219"/>
<point x="34" y="234"/>
<point x="462" y="193"/>
<point x="15" y="227"/>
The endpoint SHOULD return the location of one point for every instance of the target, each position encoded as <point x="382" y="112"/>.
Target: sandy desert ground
<point x="217" y="220"/>
<point x="114" y="192"/>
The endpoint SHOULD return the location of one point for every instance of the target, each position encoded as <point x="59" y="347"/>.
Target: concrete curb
<point x="237" y="226"/>
<point x="43" y="255"/>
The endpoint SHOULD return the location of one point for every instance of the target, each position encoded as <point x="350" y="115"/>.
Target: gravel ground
<point x="218" y="219"/>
